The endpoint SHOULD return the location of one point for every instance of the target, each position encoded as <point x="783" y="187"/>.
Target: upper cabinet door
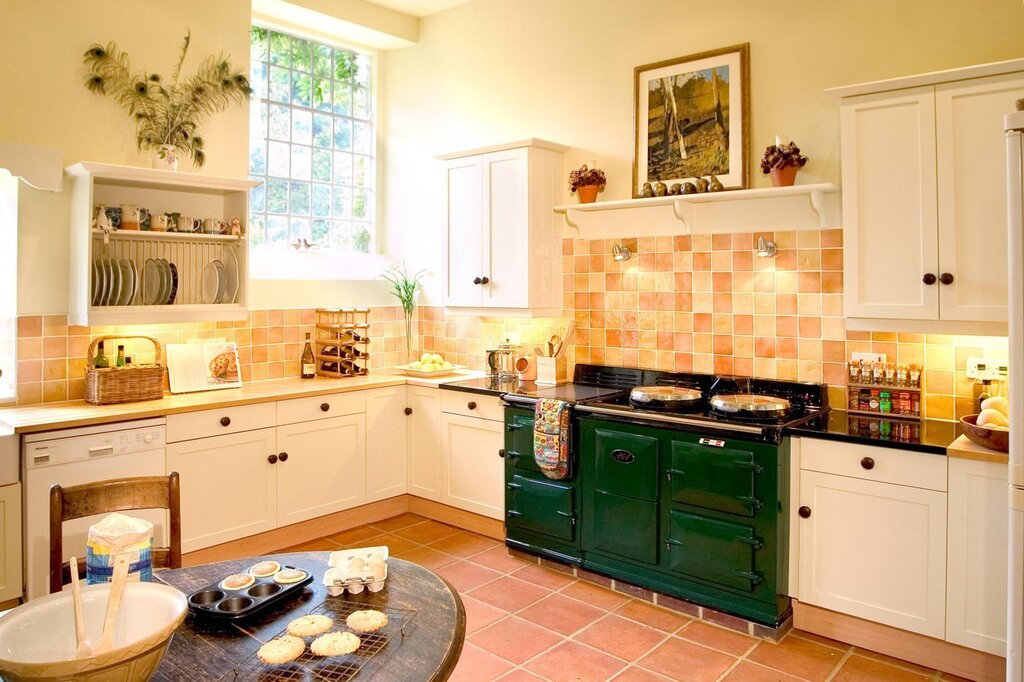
<point x="506" y="229"/>
<point x="465" y="232"/>
<point x="971" y="173"/>
<point x="889" y="205"/>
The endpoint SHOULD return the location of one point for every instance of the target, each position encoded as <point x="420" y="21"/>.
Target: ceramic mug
<point x="158" y="222"/>
<point x="187" y="224"/>
<point x="130" y="217"/>
<point x="211" y="226"/>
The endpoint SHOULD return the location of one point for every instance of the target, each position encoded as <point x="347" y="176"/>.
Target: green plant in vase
<point x="406" y="288"/>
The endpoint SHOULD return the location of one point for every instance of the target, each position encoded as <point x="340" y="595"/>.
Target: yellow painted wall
<point x="494" y="71"/>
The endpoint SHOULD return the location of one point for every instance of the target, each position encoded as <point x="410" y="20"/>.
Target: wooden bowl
<point x="987" y="438"/>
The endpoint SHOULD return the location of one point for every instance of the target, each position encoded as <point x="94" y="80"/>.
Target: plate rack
<point x="341" y="342"/>
<point x="189" y="253"/>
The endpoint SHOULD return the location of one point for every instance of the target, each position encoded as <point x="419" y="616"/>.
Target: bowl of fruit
<point x="990" y="428"/>
<point x="429" y="365"/>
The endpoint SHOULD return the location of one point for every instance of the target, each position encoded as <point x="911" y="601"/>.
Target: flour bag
<point x="119" y="534"/>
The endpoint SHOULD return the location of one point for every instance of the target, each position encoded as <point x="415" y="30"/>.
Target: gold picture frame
<point x="699" y="130"/>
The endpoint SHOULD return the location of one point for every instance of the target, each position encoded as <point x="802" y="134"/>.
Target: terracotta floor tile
<point x="595" y="595"/>
<point x="686" y="661"/>
<point x="729" y="641"/>
<point x="652" y="615"/>
<point x="499" y="559"/>
<point x="426" y="532"/>
<point x="842" y="646"/>
<point x="463" y="544"/>
<point x="553" y="580"/>
<point x="860" y="669"/>
<point x="634" y="674"/>
<point x="465" y="576"/>
<point x="426" y="557"/>
<point x="893" y="661"/>
<point x="514" y="639"/>
<point x="479" y="614"/>
<point x="620" y="637"/>
<point x="394" y="543"/>
<point x="353" y="536"/>
<point x="396" y="522"/>
<point x="509" y="593"/>
<point x="797" y="656"/>
<point x="752" y="672"/>
<point x="561" y="614"/>
<point x="572" y="662"/>
<point x="318" y="545"/>
<point x="520" y="675"/>
<point x="476" y="665"/>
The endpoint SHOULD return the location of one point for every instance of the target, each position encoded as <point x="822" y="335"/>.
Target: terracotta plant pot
<point x="587" y="194"/>
<point x="784" y="177"/>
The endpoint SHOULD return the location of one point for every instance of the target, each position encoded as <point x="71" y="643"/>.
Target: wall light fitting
<point x="621" y="253"/>
<point x="766" y="248"/>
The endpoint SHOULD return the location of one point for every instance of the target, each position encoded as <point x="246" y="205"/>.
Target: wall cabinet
<point x="424" y="442"/>
<point x="10" y="542"/>
<point x="924" y="201"/>
<point x="502" y="238"/>
<point x="386" y="442"/>
<point x="976" y="576"/>
<point x="473" y="471"/>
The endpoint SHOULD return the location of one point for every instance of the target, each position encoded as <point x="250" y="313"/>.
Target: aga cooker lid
<point x="665" y="395"/>
<point x="750" y="404"/>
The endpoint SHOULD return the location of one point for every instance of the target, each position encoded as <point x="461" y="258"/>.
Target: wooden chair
<point x="103" y="497"/>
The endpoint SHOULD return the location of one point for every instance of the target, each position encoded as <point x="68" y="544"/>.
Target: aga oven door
<point x="538" y="505"/>
<point x="716" y="474"/>
<point x="717" y="551"/>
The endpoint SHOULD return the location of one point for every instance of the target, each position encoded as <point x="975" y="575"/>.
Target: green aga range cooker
<point x="680" y="485"/>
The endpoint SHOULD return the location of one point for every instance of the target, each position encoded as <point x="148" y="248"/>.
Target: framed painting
<point x="692" y="118"/>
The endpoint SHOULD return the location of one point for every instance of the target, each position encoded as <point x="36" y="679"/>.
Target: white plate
<point x="127" y="282"/>
<point x="150" y="282"/>
<point x="136" y="282"/>
<point x="102" y="268"/>
<point x="165" y="281"/>
<point x="115" y="292"/>
<point x="231" y="270"/>
<point x="436" y="373"/>
<point x="222" y="281"/>
<point x="211" y="283"/>
<point x="94" y="299"/>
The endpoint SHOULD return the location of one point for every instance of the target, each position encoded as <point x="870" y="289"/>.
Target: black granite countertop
<point x="930" y="435"/>
<point x="490" y="385"/>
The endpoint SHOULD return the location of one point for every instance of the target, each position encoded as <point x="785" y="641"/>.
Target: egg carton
<point x="352" y="570"/>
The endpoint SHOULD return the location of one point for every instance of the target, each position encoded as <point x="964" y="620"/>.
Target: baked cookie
<point x="287" y="576"/>
<point x="237" y="581"/>
<point x="281" y="650"/>
<point x="335" y="644"/>
<point x="308" y="626"/>
<point x="366" y="621"/>
<point x="264" y="569"/>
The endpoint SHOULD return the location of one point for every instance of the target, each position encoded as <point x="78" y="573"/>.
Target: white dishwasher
<point x="85" y="455"/>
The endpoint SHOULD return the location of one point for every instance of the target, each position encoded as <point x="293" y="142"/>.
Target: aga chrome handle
<point x="513" y="427"/>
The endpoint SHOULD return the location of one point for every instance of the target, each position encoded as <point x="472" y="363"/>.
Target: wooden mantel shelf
<point x="800" y="207"/>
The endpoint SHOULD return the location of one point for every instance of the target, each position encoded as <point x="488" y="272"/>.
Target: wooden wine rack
<point x="348" y="331"/>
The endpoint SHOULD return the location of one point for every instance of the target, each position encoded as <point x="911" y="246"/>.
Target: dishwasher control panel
<point x="77" y="448"/>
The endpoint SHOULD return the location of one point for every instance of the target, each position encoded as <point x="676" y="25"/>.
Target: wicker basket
<point x="112" y="385"/>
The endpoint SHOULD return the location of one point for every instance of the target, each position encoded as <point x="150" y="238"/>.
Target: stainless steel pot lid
<point x="750" y="403"/>
<point x="666" y="395"/>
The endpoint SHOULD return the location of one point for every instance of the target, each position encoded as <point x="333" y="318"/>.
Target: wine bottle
<point x="120" y="356"/>
<point x="101" y="362"/>
<point x="308" y="361"/>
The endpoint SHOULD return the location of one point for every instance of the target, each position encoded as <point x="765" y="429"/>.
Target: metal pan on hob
<point x="667" y="398"/>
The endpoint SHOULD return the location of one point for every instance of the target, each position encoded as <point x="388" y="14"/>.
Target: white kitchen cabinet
<point x="473" y="473"/>
<point x="977" y="555"/>
<point x="502" y="238"/>
<point x="873" y="550"/>
<point x="386" y="442"/>
<point x="424" y="443"/>
<point x="228" y="486"/>
<point x="924" y="200"/>
<point x="321" y="467"/>
<point x="10" y="542"/>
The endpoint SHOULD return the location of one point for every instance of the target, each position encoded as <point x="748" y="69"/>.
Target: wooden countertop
<point x="74" y="413"/>
<point x="966" y="449"/>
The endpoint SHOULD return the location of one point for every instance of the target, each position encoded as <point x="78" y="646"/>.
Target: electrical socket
<point x="869" y="357"/>
<point x="983" y="369"/>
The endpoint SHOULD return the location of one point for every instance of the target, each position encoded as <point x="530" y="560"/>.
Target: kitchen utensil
<point x="231" y="270"/>
<point x="117" y="583"/>
<point x="82" y="647"/>
<point x="215" y="602"/>
<point x="539" y="351"/>
<point x="748" y="405"/>
<point x="211" y="283"/>
<point x="551" y="349"/>
<point x="556" y="345"/>
<point x="567" y="336"/>
<point x="505" y="360"/>
<point x="993" y="439"/>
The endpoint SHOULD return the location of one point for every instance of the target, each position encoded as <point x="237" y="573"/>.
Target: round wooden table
<point x="428" y="649"/>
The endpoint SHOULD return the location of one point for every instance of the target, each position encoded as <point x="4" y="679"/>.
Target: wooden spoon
<point x="83" y="650"/>
<point x="554" y="344"/>
<point x="117" y="583"/>
<point x="539" y="351"/>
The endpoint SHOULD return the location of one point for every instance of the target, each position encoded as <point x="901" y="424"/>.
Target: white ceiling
<point x="419" y="8"/>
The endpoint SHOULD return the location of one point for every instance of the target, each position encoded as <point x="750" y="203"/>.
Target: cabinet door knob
<point x="867" y="463"/>
<point x="408" y="411"/>
<point x="946" y="278"/>
<point x="485" y="280"/>
<point x="929" y="278"/>
<point x="283" y="457"/>
<point x="471" y="405"/>
<point x="804" y="512"/>
<point x="272" y="459"/>
<point x="225" y="421"/>
<point x="501" y="453"/>
<point x="477" y="280"/>
<point x="324" y="407"/>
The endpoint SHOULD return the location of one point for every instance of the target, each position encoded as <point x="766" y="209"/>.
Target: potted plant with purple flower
<point x="782" y="161"/>
<point x="586" y="182"/>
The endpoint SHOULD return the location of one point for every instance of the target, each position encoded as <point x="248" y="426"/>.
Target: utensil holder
<point x="551" y="371"/>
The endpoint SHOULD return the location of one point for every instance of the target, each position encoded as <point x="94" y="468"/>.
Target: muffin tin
<point x="338" y="578"/>
<point x="215" y="602"/>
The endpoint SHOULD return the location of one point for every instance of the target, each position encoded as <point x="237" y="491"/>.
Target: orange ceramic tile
<point x="701" y="322"/>
<point x="721" y="242"/>
<point x="683" y="342"/>
<point x="742" y="260"/>
<point x="832" y="282"/>
<point x="30" y="371"/>
<point x="786" y="304"/>
<point x="833" y="351"/>
<point x="722" y="303"/>
<point x="721" y="282"/>
<point x="939" y="381"/>
<point x="785" y="325"/>
<point x="645" y="261"/>
<point x="476" y="664"/>
<point x="55" y="391"/>
<point x="699" y="662"/>
<point x="832" y="259"/>
<point x="681" y="243"/>
<point x="764" y="347"/>
<point x="55" y="347"/>
<point x="938" y="406"/>
<point x="718" y="638"/>
<point x="701" y="261"/>
<point x="663" y="262"/>
<point x="809" y="282"/>
<point x="810" y="327"/>
<point x="784" y="260"/>
<point x="52" y="369"/>
<point x="30" y="326"/>
<point x="684" y="362"/>
<point x="786" y="348"/>
<point x="743" y="324"/>
<point x="862" y="669"/>
<point x="722" y="344"/>
<point x="723" y="364"/>
<point x="721" y="261"/>
<point x="597" y="247"/>
<point x="572" y="661"/>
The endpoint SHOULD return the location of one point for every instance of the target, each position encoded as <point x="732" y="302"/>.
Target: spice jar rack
<point x="341" y="341"/>
<point x="885" y="390"/>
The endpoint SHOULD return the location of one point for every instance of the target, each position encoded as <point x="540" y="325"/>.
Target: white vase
<point x="165" y="157"/>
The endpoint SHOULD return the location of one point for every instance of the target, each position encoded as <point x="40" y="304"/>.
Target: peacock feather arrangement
<point x="167" y="112"/>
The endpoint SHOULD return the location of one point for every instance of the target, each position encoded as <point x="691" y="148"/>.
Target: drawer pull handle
<point x="272" y="459"/>
<point x="678" y="472"/>
<point x="672" y="541"/>
<point x="471" y="405"/>
<point x="753" y="502"/>
<point x="512" y="513"/>
<point x="623" y="456"/>
<point x="867" y="463"/>
<point x="804" y="512"/>
<point x="225" y="421"/>
<point x="485" y="280"/>
<point x="324" y="407"/>
<point x="753" y="466"/>
<point x="477" y="280"/>
<point x="515" y="486"/>
<point x="283" y="457"/>
<point x="501" y="453"/>
<point x="929" y="278"/>
<point x="408" y="411"/>
<point x="512" y="454"/>
<point x="562" y="513"/>
<point x="513" y="427"/>
<point x="946" y="278"/>
<point x="756" y="543"/>
<point x="754" y="578"/>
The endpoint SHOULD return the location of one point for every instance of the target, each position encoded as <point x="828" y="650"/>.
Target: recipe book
<point x="202" y="366"/>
